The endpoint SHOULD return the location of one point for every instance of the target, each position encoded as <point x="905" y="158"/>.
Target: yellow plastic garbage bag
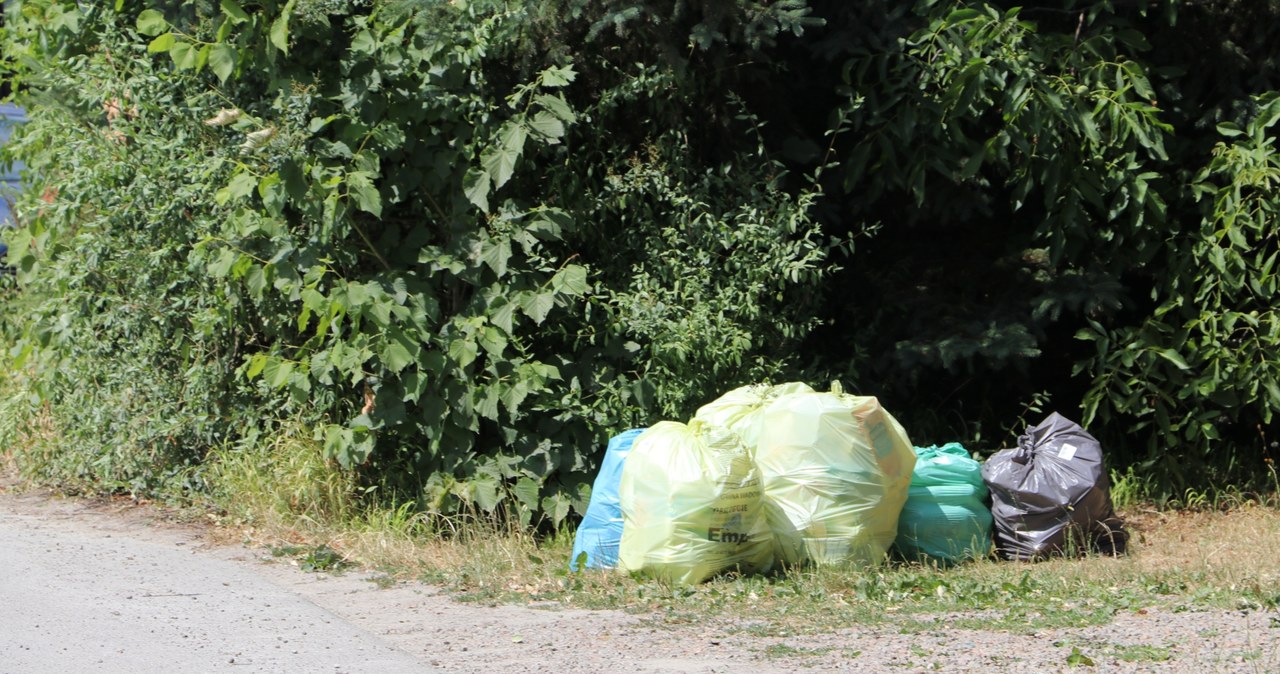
<point x="835" y="470"/>
<point x="691" y="505"/>
<point x="741" y="409"/>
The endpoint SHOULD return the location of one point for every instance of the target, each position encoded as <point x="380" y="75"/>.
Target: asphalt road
<point x="78" y="600"/>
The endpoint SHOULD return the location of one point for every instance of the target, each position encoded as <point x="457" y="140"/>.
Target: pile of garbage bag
<point x="770" y="476"/>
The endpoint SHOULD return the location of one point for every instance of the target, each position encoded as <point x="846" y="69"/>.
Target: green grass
<point x="788" y="651"/>
<point x="1181" y="560"/>
<point x="1141" y="653"/>
<point x="981" y="595"/>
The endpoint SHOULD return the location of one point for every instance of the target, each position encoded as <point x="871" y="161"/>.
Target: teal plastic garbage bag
<point x="945" y="518"/>
<point x="601" y="530"/>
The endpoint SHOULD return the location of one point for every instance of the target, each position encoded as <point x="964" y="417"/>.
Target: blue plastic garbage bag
<point x="945" y="517"/>
<point x="601" y="530"/>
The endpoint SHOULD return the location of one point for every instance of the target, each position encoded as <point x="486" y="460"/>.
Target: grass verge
<point x="284" y="494"/>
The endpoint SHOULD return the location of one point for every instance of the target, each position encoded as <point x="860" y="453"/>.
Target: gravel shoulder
<point x="119" y="586"/>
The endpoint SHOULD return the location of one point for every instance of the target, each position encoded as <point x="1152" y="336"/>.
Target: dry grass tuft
<point x="1238" y="547"/>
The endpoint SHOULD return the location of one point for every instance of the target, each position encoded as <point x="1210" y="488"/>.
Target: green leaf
<point x="395" y="356"/>
<point x="643" y="390"/>
<point x="549" y="224"/>
<point x="360" y="295"/>
<point x="364" y="193"/>
<point x="256" y="280"/>
<point x="271" y="191"/>
<point x="492" y="341"/>
<point x="224" y="31"/>
<point x="433" y="362"/>
<point x="202" y="57"/>
<point x="277" y="372"/>
<point x="499" y="160"/>
<point x="514" y="396"/>
<point x="484" y="493"/>
<point x="581" y="499"/>
<point x="256" y="364"/>
<point x="1230" y="129"/>
<point x="504" y="317"/>
<point x="558" y="76"/>
<point x="295" y="181"/>
<point x="548" y="126"/>
<point x="337" y="440"/>
<point x="183" y="55"/>
<point x="572" y="280"/>
<point x="496" y="254"/>
<point x="312" y="301"/>
<point x="152" y="22"/>
<point x="282" y="374"/>
<point x="526" y="492"/>
<point x="222" y="60"/>
<point x="221" y="267"/>
<point x="242" y="185"/>
<point x="279" y="35"/>
<point x="1079" y="659"/>
<point x="242" y="266"/>
<point x="475" y="185"/>
<point x="556" y="507"/>
<point x="232" y="9"/>
<point x="415" y="384"/>
<point x="162" y="43"/>
<point x="363" y="43"/>
<point x="557" y="106"/>
<point x="963" y="16"/>
<point x="536" y="305"/>
<point x="1173" y="357"/>
<point x="971" y="166"/>
<point x="463" y="352"/>
<point x="487" y="407"/>
<point x="1273" y="390"/>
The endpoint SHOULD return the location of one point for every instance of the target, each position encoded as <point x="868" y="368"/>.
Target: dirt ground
<point x="413" y="627"/>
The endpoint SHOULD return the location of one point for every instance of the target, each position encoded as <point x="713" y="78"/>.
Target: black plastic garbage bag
<point x="1051" y="494"/>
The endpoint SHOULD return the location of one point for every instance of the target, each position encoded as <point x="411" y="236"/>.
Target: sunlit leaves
<point x="233" y="10"/>
<point x="545" y="120"/>
<point x="222" y="60"/>
<point x="572" y="280"/>
<point x="279" y="33"/>
<point x="1197" y="370"/>
<point x="152" y="22"/>
<point x="162" y="43"/>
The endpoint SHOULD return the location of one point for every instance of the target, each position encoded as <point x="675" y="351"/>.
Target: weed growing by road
<point x="1141" y="653"/>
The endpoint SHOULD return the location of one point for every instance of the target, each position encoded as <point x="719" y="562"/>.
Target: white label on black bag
<point x="1067" y="452"/>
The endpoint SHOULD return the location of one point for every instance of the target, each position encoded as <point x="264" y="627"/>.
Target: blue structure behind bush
<point x="10" y="117"/>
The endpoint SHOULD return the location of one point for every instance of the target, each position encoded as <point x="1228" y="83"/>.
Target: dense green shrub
<point x="466" y="241"/>
<point x="1200" y="373"/>
<point x="374" y="218"/>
